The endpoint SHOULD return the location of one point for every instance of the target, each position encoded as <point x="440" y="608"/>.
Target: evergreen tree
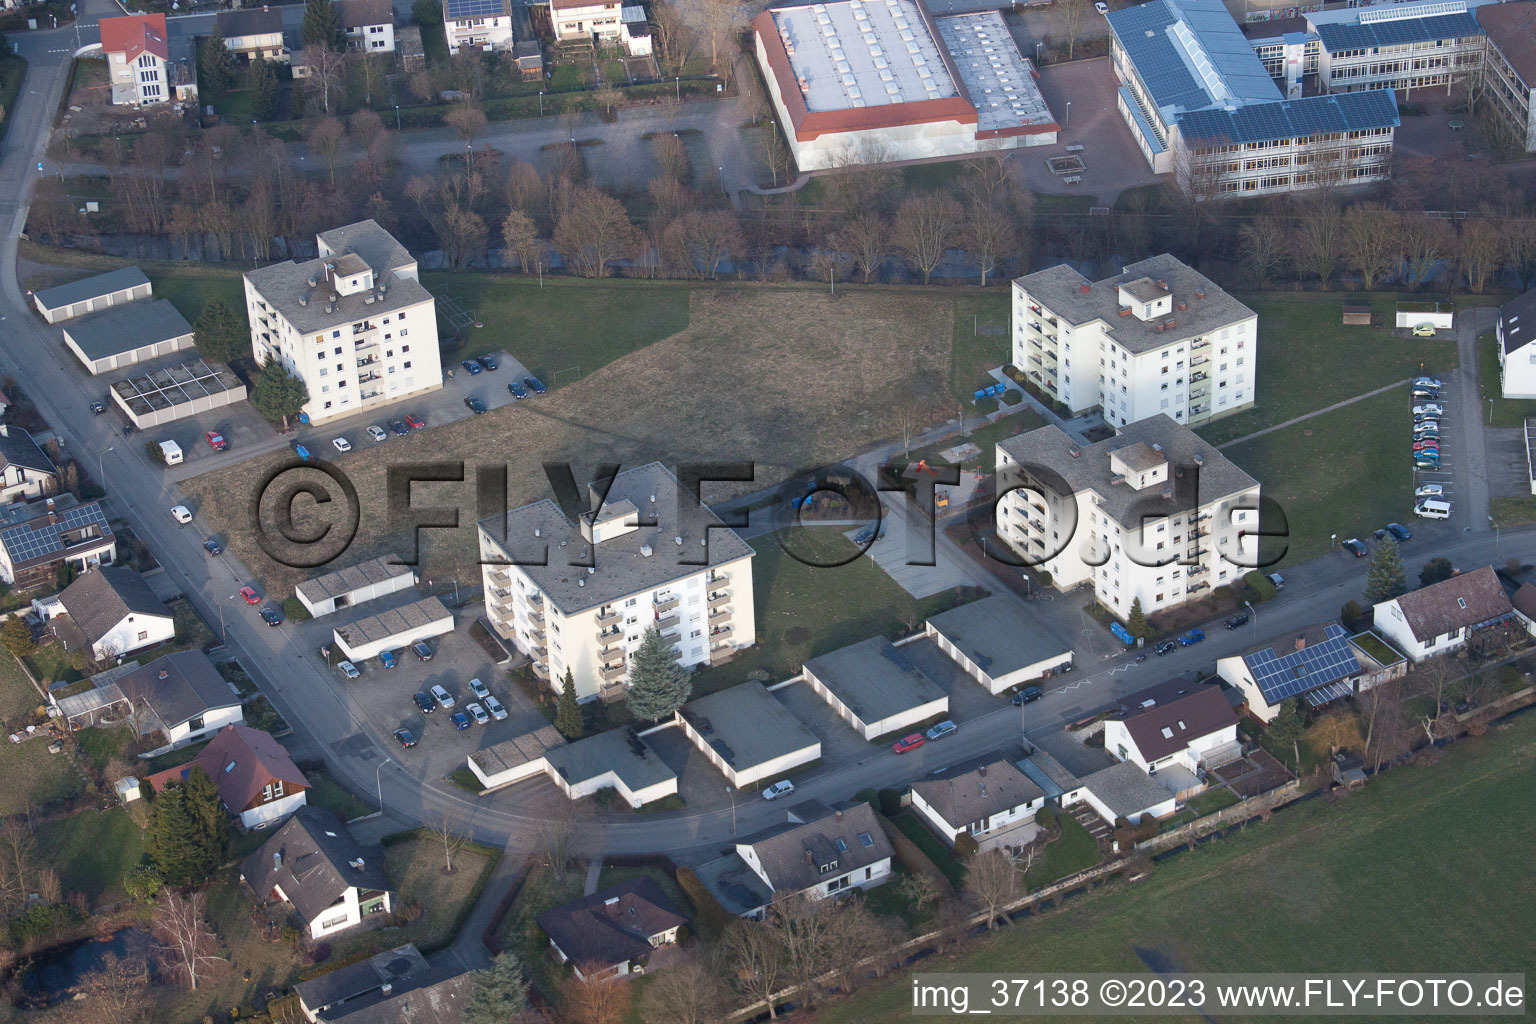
<point x="322" y="25"/>
<point x="278" y="395"/>
<point x="1436" y="570"/>
<point x="1387" y="578"/>
<point x="263" y="84"/>
<point x="16" y="636"/>
<point x="568" y="717"/>
<point x="1136" y="622"/>
<point x="200" y="796"/>
<point x="658" y="685"/>
<point x="500" y="992"/>
<point x="222" y="333"/>
<point x="188" y="832"/>
<point x="216" y="65"/>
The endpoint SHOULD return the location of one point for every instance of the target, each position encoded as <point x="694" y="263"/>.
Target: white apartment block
<point x="355" y="323"/>
<point x="1158" y="338"/>
<point x="1154" y="513"/>
<point x="579" y="595"/>
<point x="477" y="25"/>
<point x="369" y="25"/>
<point x="1509" y="65"/>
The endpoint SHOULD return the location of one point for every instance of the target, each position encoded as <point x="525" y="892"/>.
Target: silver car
<point x="495" y="707"/>
<point x="479" y="689"/>
<point x="478" y="714"/>
<point x="781" y="788"/>
<point x="349" y="670"/>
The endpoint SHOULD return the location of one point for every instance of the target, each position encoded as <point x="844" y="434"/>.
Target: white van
<point x="171" y="452"/>
<point x="1431" y="509"/>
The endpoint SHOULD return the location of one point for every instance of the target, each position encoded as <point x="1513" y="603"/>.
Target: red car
<point x="249" y="595"/>
<point x="414" y="422"/>
<point x="216" y="441"/>
<point x="1419" y="446"/>
<point x="907" y="743"/>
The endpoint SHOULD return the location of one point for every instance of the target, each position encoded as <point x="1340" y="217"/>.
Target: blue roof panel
<point x="1192" y="55"/>
<point x="1371" y="34"/>
<point x="457" y="9"/>
<point x="1296" y="672"/>
<point x="1289" y="119"/>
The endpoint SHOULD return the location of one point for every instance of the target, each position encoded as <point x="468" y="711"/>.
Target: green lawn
<point x="36" y="776"/>
<point x="54" y="664"/>
<point x="326" y="792"/>
<point x="1501" y="411"/>
<point x="1420" y="851"/>
<point x="1513" y="511"/>
<point x="982" y="339"/>
<point x="100" y="745"/>
<point x="568" y="325"/>
<point x="1299" y="333"/>
<point x="1353" y="475"/>
<point x="415" y="868"/>
<point x="13" y="71"/>
<point x="1076" y="850"/>
<point x="92" y="851"/>
<point x="191" y="289"/>
<point x="804" y="611"/>
<point x="1211" y="801"/>
<point x="17" y="694"/>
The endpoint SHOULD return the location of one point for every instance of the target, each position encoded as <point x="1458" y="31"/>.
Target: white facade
<point x="866" y="877"/>
<point x="211" y="721"/>
<point x="576" y="19"/>
<point x="273" y="811"/>
<point x="134" y="633"/>
<point x="877" y="727"/>
<point x="22" y="483"/>
<point x="372" y="38"/>
<point x="1391" y="623"/>
<point x="1119" y="742"/>
<point x="139" y="81"/>
<point x="1517" y="356"/>
<point x="346" y="914"/>
<point x="393" y="631"/>
<point x="979" y="830"/>
<point x="477" y="26"/>
<point x="354" y="585"/>
<point x="996" y="684"/>
<point x="1161" y="809"/>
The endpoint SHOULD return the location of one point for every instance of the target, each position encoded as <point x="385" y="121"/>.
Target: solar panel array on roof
<point x="458" y="9"/>
<point x="1366" y="36"/>
<point x="1190" y="54"/>
<point x="1293" y="119"/>
<point x="36" y="538"/>
<point x="1296" y="672"/>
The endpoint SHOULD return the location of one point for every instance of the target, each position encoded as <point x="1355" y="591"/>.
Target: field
<point x="1352" y="475"/>
<point x="37" y="776"/>
<point x="1359" y="882"/>
<point x="92" y="851"/>
<point x="755" y="376"/>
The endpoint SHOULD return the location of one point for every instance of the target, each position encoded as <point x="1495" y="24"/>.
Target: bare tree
<point x="708" y="239"/>
<point x="672" y="156"/>
<point x="325" y="68"/>
<point x="772" y="151"/>
<point x="187" y="946"/>
<point x="716" y="21"/>
<point x="925" y="228"/>
<point x="858" y="935"/>
<point x="595" y="998"/>
<point x="366" y="128"/>
<point x="754" y="957"/>
<point x="520" y="238"/>
<point x="1262" y="242"/>
<point x="804" y="927"/>
<point x="450" y="828"/>
<point x="1369" y="241"/>
<point x="1481" y="249"/>
<point x="991" y="880"/>
<point x="674" y="37"/>
<point x="325" y="138"/>
<point x="48" y="888"/>
<point x="117" y="987"/>
<point x="867" y="238"/>
<point x="523" y="188"/>
<point x="687" y="992"/>
<point x="1072" y="13"/>
<point x="370" y="72"/>
<point x="1319" y="226"/>
<point x="919" y="890"/>
<point x="594" y="232"/>
<point x="555" y="838"/>
<point x="1426" y="241"/>
<point x="467" y="121"/>
<point x="990" y="233"/>
<point x="952" y="920"/>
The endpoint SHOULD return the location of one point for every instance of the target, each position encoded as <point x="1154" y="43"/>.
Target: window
<point x="406" y="365"/>
<point x="195" y="724"/>
<point x="144" y="634"/>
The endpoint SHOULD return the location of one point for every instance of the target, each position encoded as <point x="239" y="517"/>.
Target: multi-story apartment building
<point x="576" y="592"/>
<point x="355" y="323"/>
<point x="1154" y="514"/>
<point x="1397" y="46"/>
<point x="1158" y="338"/>
<point x="140" y="63"/>
<point x="1509" y="65"/>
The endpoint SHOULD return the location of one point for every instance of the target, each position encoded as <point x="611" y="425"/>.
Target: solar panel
<point x="474" y="8"/>
<point x="1297" y="672"/>
<point x="36" y="537"/>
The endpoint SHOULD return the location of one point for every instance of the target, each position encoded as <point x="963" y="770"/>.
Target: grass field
<point x="36" y="776"/>
<point x="1501" y="411"/>
<point x="1361" y="882"/>
<point x="982" y="339"/>
<point x="326" y="792"/>
<point x="1076" y="850"/>
<point x="1351" y="476"/>
<point x="92" y="851"/>
<point x="415" y="868"/>
<point x="1299" y="333"/>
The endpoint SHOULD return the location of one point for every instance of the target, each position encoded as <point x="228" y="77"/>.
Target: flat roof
<point x="519" y="750"/>
<point x="874" y="679"/>
<point x="620" y="751"/>
<point x="124" y="328"/>
<point x="997" y="635"/>
<point x="746" y="726"/>
<point x="858" y="53"/>
<point x="1000" y="79"/>
<point x="93" y="287"/>
<point x="354" y="577"/>
<point x="174" y="385"/>
<point x="391" y="623"/>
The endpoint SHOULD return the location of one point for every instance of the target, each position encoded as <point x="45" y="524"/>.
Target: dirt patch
<point x="787" y="379"/>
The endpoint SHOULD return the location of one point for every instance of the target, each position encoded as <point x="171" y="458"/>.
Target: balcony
<point x="1197" y="570"/>
<point x="719" y="633"/>
<point x="500" y="593"/>
<point x="362" y="328"/>
<point x="1199" y="343"/>
<point x="535" y="598"/>
<point x="541" y="671"/>
<point x="667" y="622"/>
<point x="666" y="604"/>
<point x="1037" y="525"/>
<point x="608" y="618"/>
<point x="1195" y="395"/>
<point x="720" y="616"/>
<point x="1196" y="378"/>
<point x="611" y="674"/>
<point x="718" y="600"/>
<point x="610" y="693"/>
<point x="367" y="362"/>
<point x="607" y="636"/>
<point x="365" y="378"/>
<point x="364" y="345"/>
<point x="718" y="578"/>
<point x="1198" y="361"/>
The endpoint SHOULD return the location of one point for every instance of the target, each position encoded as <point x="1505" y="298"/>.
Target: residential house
<point x="1515" y="331"/>
<point x="256" y="777"/>
<point x="992" y="802"/>
<point x="643" y="552"/>
<point x="398" y="986"/>
<point x="313" y="864"/>
<point x="255" y="33"/>
<point x="117" y="612"/>
<point x="611" y="933"/>
<point x="1317" y="666"/>
<point x="1122" y="790"/>
<point x="139" y="62"/>
<point x="1442" y="617"/>
<point x="1176" y="730"/>
<point x="636" y="31"/>
<point x="26" y="472"/>
<point x="1155" y="514"/>
<point x="185" y="694"/>
<point x="1509" y="66"/>
<point x="354" y="323"/>
<point x="369" y="25"/>
<point x="817" y="852"/>
<point x="1524" y="602"/>
<point x="589" y="21"/>
<point x="37" y="538"/>
<point x="477" y="25"/>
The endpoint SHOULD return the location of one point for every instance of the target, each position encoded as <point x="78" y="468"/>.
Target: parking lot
<point x="1439" y="433"/>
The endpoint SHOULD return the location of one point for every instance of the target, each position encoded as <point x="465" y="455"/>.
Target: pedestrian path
<point x="594" y="869"/>
<point x="1315" y="412"/>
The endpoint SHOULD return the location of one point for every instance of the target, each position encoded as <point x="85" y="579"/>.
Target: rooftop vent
<point x="277" y="859"/>
<point x="1167" y="493"/>
<point x="313" y="281"/>
<point x="1075" y="452"/>
<point x="165" y="673"/>
<point x="581" y="583"/>
<point x="387" y="988"/>
<point x="537" y="532"/>
<point x="591" y="569"/>
<point x="330" y="308"/>
<point x="303" y="301"/>
<point x="357" y="865"/>
<point x="1199" y="459"/>
<point x="334" y="296"/>
<point x="368" y="300"/>
<point x="1171" y="324"/>
<point x="653" y="499"/>
<point x="1199" y="293"/>
<point x="1157" y="447"/>
<point x="646" y="551"/>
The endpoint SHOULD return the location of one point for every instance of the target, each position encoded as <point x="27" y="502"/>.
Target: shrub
<point x="965" y="845"/>
<point x="890" y="803"/>
<point x="1045" y="817"/>
<point x="1012" y="396"/>
<point x="142" y="883"/>
<point x="910" y="856"/>
<point x="1263" y="590"/>
<point x="710" y="915"/>
<point x="869" y="796"/>
<point x="986" y="406"/>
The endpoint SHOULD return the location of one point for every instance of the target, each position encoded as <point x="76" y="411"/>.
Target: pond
<point x="52" y="974"/>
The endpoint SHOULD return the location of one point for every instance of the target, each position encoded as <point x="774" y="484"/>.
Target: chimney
<point x="1075" y="452"/>
<point x="165" y="673"/>
<point x="1199" y="293"/>
<point x="808" y="859"/>
<point x="1083" y="288"/>
<point x="1301" y="642"/>
<point x="1183" y="305"/>
<point x="387" y="988"/>
<point x="839" y="815"/>
<point x="982" y="771"/>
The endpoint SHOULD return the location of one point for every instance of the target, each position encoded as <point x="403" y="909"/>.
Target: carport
<point x="393" y="630"/>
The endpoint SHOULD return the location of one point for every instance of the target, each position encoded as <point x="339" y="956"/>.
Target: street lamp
<point x="1253" y="617"/>
<point x="1068" y="118"/>
<point x="378" y="780"/>
<point x="541" y="102"/>
<point x="732" y="794"/>
<point x="1495" y="525"/>
<point x="397" y="117"/>
<point x="100" y="472"/>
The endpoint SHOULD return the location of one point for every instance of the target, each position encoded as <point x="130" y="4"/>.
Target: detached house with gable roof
<point x="612" y="932"/>
<point x="26" y="471"/>
<point x="993" y="803"/>
<point x="139" y="61"/>
<point x="313" y="864"/>
<point x="1441" y="618"/>
<point x="117" y="612"/>
<point x="1176" y="728"/>
<point x="1515" y="331"/>
<point x="256" y="779"/>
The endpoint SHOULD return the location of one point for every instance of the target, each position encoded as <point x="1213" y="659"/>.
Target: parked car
<point x="471" y="367"/>
<point x="1165" y="647"/>
<point x="1429" y="491"/>
<point x="1399" y="531"/>
<point x="443" y="697"/>
<point x="489" y="362"/>
<point x="518" y="391"/>
<point x="98" y="408"/>
<point x="907" y="743"/>
<point x="535" y="385"/>
<point x="1424" y="462"/>
<point x="1426" y="394"/>
<point x="399" y="427"/>
<point x="1027" y="695"/>
<point x="216" y="441"/>
<point x="348" y="669"/>
<point x="301" y="452"/>
<point x="475" y="405"/>
<point x="1426" y="442"/>
<point x="477" y="713"/>
<point x="424" y="702"/>
<point x="414" y="422"/>
<point x="479" y="689"/>
<point x="250" y="595"/>
<point x="1355" y="547"/>
<point x="406" y="738"/>
<point x="460" y="720"/>
<point x="422" y="650"/>
<point x="1424" y="331"/>
<point x="213" y="547"/>
<point x="1238" y="621"/>
<point x="941" y="730"/>
<point x="1426" y="435"/>
<point x="1191" y="638"/>
<point x="495" y="707"/>
<point x="181" y="514"/>
<point x="781" y="788"/>
<point x="1276" y="580"/>
<point x="341" y="444"/>
<point x="1428" y="382"/>
<point x="1428" y="409"/>
<point x="377" y="432"/>
<point x="272" y="616"/>
<point x="1102" y="8"/>
<point x="388" y="659"/>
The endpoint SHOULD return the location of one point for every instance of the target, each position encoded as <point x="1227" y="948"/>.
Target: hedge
<point x="890" y="802"/>
<point x="909" y="855"/>
<point x="711" y="915"/>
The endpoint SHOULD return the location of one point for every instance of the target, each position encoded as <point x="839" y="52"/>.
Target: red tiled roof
<point x="253" y="760"/>
<point x="134" y="34"/>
